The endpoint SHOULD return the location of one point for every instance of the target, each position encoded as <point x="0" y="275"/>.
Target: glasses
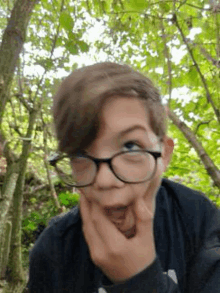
<point x="129" y="166"/>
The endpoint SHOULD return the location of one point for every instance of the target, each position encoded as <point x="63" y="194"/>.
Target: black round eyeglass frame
<point x="57" y="157"/>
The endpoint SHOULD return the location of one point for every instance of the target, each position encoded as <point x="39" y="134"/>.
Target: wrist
<point x="118" y="280"/>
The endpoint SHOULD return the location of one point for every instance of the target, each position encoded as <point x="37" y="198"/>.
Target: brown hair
<point x="80" y="97"/>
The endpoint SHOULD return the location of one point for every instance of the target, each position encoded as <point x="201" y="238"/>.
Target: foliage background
<point x="175" y="43"/>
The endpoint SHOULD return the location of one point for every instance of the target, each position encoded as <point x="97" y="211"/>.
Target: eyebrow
<point x="132" y="128"/>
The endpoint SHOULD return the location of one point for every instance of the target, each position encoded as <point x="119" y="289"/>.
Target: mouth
<point x="123" y="218"/>
<point x="131" y="232"/>
<point x="117" y="213"/>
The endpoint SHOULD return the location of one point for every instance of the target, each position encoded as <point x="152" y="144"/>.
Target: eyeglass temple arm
<point x="53" y="159"/>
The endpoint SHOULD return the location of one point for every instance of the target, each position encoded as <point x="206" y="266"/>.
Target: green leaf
<point x="139" y="5"/>
<point x="193" y="75"/>
<point x="164" y="7"/>
<point x="84" y="47"/>
<point x="66" y="21"/>
<point x="33" y="200"/>
<point x="31" y="226"/>
<point x="107" y="5"/>
<point x="72" y="47"/>
<point x="35" y="215"/>
<point x="63" y="197"/>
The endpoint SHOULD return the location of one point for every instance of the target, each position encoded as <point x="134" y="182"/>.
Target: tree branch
<point x="51" y="186"/>
<point x="209" y="57"/>
<point x="8" y="154"/>
<point x="208" y="95"/>
<point x="11" y="46"/>
<point x="204" y="52"/>
<point x="16" y="129"/>
<point x="38" y="188"/>
<point x="209" y="165"/>
<point x="198" y="7"/>
<point x="167" y="56"/>
<point x="24" y="102"/>
<point x="201" y="123"/>
<point x="51" y="54"/>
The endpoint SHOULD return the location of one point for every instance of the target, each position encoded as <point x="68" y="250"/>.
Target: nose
<point x="105" y="178"/>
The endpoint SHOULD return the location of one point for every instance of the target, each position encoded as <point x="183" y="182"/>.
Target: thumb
<point x="144" y="210"/>
<point x="144" y="216"/>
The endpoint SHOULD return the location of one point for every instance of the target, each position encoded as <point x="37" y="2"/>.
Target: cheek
<point x="86" y="192"/>
<point x="147" y="190"/>
<point x="90" y="194"/>
<point x="140" y="190"/>
<point x="160" y="167"/>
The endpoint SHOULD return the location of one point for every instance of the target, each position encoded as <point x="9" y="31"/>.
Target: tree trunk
<point x="5" y="251"/>
<point x="7" y="194"/>
<point x="15" y="275"/>
<point x="12" y="42"/>
<point x="209" y="165"/>
<point x="8" y="190"/>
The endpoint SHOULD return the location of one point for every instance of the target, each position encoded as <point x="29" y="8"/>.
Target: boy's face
<point x="120" y="114"/>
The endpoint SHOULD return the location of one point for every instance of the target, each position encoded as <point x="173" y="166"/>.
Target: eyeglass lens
<point x="129" y="167"/>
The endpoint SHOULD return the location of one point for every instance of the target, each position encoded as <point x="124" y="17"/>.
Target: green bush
<point x="33" y="223"/>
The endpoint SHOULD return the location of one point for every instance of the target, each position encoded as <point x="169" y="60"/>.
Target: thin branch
<point x="57" y="33"/>
<point x="209" y="165"/>
<point x="51" y="186"/>
<point x="19" y="76"/>
<point x="206" y="54"/>
<point x="201" y="123"/>
<point x="13" y="110"/>
<point x="217" y="35"/>
<point x="8" y="154"/>
<point x="16" y="129"/>
<point x="38" y="188"/>
<point x="167" y="55"/>
<point x="198" y="7"/>
<point x="209" y="57"/>
<point x="208" y="95"/>
<point x="23" y="102"/>
<point x="137" y="12"/>
<point x="51" y="55"/>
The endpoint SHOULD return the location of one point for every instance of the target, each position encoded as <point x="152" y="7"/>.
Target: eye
<point x="80" y="153"/>
<point x="132" y="146"/>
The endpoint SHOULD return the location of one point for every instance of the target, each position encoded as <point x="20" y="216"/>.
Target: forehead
<point x="119" y="113"/>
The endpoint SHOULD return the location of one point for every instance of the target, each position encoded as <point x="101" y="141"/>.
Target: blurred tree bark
<point x="15" y="276"/>
<point x="12" y="192"/>
<point x="12" y="43"/>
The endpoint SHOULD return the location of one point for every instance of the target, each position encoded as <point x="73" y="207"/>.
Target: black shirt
<point x="187" y="238"/>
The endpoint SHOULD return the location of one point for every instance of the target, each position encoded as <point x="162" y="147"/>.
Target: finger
<point x="87" y="225"/>
<point x="144" y="210"/>
<point x="84" y="208"/>
<point x="144" y="218"/>
<point x="90" y="216"/>
<point x="93" y="240"/>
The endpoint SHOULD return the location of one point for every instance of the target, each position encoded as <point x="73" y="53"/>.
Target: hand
<point x="118" y="257"/>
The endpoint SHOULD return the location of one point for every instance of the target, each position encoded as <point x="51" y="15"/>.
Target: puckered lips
<point x="123" y="218"/>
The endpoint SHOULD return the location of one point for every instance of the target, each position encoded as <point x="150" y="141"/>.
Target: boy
<point x="132" y="231"/>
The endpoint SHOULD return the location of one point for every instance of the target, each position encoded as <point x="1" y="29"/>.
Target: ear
<point x="168" y="146"/>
